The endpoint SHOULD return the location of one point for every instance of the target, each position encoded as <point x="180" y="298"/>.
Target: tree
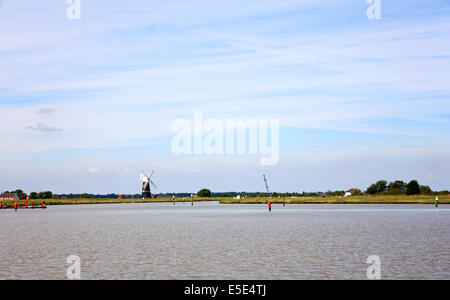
<point x="45" y="195"/>
<point x="412" y="188"/>
<point x="397" y="187"/>
<point x="34" y="195"/>
<point x="378" y="187"/>
<point x="381" y="185"/>
<point x="204" y="193"/>
<point x="356" y="192"/>
<point x="372" y="189"/>
<point x="425" y="190"/>
<point x="338" y="193"/>
<point x="18" y="191"/>
<point x="85" y="196"/>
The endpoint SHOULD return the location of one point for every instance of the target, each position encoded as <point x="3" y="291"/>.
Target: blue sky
<point x="86" y="104"/>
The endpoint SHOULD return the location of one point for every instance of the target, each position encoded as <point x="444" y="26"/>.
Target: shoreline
<point x="398" y="199"/>
<point x="382" y="199"/>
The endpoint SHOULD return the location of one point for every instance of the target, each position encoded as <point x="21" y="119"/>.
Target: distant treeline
<point x="34" y="195"/>
<point x="399" y="187"/>
<point x="381" y="187"/>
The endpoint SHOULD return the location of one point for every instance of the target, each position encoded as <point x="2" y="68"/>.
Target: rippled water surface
<point x="213" y="241"/>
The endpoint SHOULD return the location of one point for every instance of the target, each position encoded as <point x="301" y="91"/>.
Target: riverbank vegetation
<point x="363" y="199"/>
<point x="379" y="192"/>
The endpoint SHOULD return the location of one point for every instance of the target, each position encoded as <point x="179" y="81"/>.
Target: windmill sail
<point x="143" y="177"/>
<point x="154" y="185"/>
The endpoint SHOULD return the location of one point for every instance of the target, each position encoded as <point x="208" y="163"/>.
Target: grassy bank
<point x="91" y="201"/>
<point x="116" y="200"/>
<point x="399" y="199"/>
<point x="365" y="199"/>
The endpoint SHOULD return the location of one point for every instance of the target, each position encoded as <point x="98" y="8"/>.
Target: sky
<point x="86" y="104"/>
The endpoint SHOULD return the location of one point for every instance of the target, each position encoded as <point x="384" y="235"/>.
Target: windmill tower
<point x="146" y="181"/>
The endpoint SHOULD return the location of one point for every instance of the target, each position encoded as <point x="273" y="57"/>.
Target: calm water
<point x="212" y="241"/>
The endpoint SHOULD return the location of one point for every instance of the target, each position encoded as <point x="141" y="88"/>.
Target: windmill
<point x="146" y="181"/>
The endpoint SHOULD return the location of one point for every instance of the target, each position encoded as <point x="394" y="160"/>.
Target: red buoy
<point x="270" y="206"/>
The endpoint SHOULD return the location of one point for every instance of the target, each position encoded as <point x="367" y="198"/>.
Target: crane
<point x="267" y="186"/>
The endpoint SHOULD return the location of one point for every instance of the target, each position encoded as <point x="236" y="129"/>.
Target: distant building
<point x="12" y="196"/>
<point x="349" y="192"/>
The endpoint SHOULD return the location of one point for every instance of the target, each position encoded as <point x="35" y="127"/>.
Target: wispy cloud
<point x="124" y="171"/>
<point x="46" y="110"/>
<point x="42" y="127"/>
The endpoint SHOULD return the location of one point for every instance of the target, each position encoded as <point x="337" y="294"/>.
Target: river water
<point x="213" y="241"/>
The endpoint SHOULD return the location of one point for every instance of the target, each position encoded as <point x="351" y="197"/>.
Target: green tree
<point x="338" y="193"/>
<point x="397" y="187"/>
<point x="18" y="191"/>
<point x="425" y="190"/>
<point x="372" y="189"/>
<point x="445" y="192"/>
<point x="204" y="193"/>
<point x="378" y="187"/>
<point x="45" y="195"/>
<point x="412" y="188"/>
<point x="34" y="195"/>
<point x="85" y="196"/>
<point x="356" y="192"/>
